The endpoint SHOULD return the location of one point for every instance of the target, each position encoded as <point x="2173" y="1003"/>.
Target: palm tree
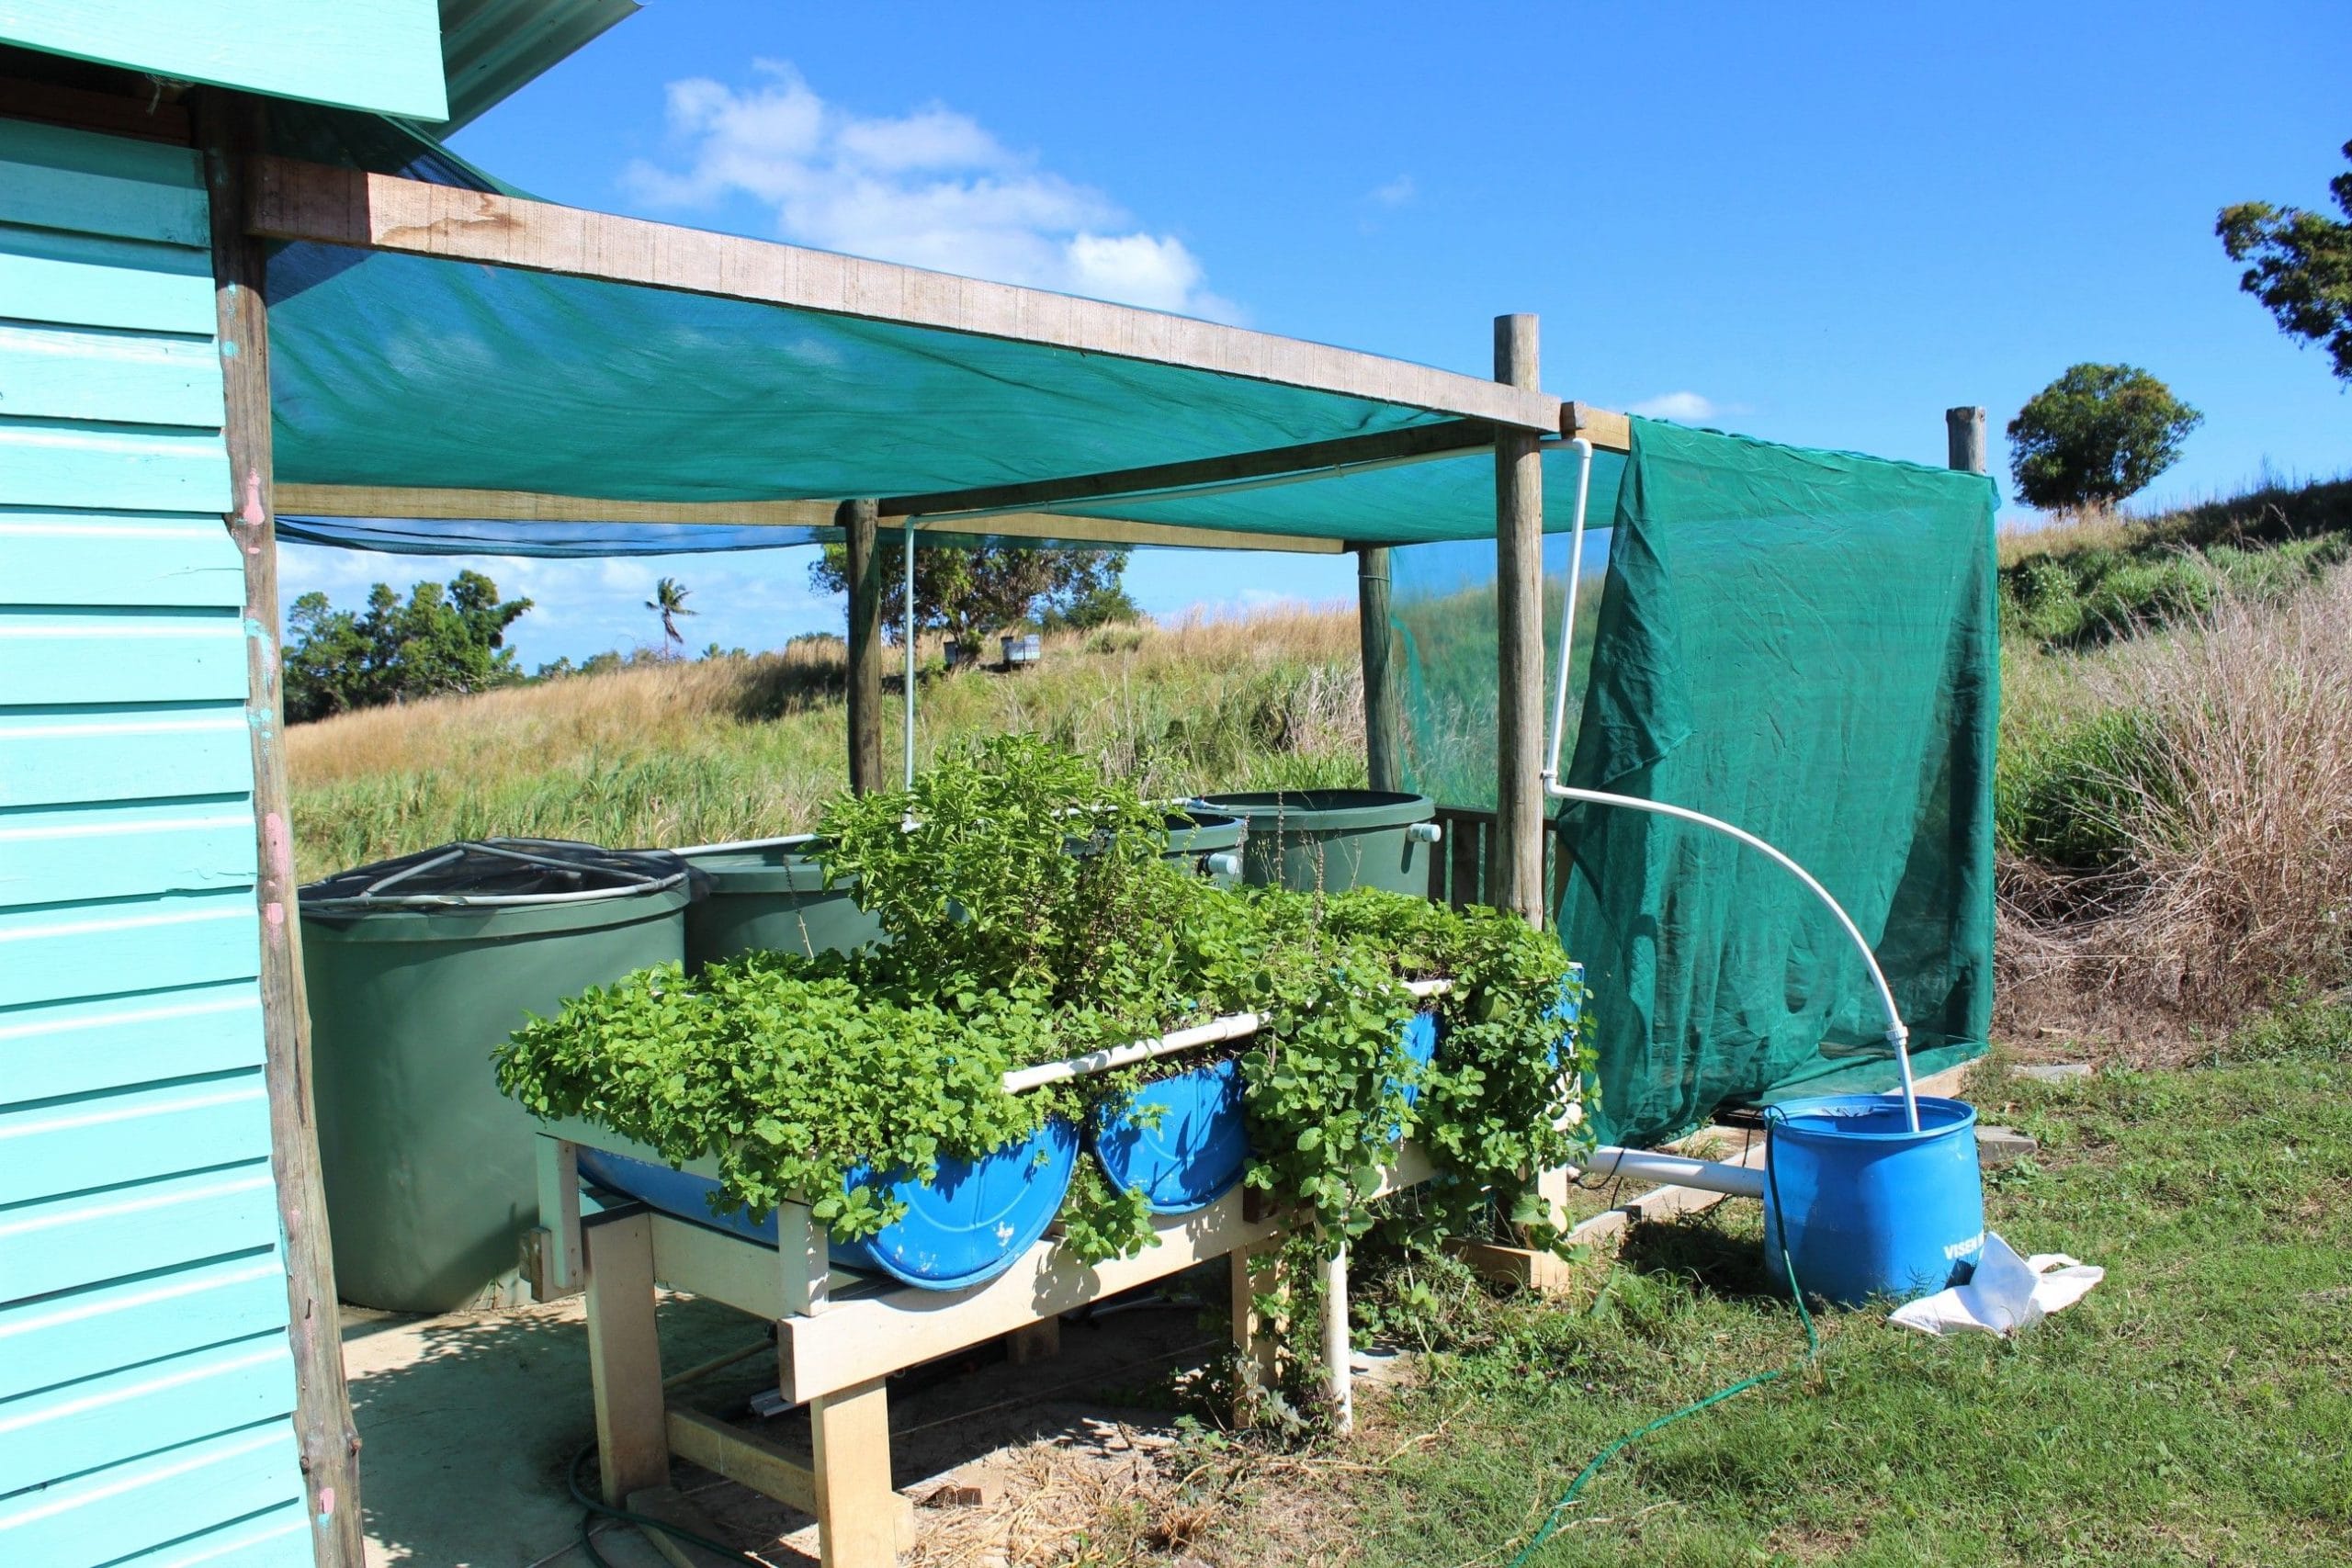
<point x="669" y="602"/>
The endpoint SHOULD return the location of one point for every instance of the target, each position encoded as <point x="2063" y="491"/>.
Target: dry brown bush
<point x="2240" y="872"/>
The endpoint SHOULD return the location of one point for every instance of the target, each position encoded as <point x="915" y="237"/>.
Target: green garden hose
<point x="1811" y="1351"/>
<point x="592" y="1505"/>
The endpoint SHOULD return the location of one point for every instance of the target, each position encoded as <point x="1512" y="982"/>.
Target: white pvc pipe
<point x="1232" y="1026"/>
<point x="1336" y="1352"/>
<point x="1898" y="1034"/>
<point x="909" y="636"/>
<point x="1676" y="1171"/>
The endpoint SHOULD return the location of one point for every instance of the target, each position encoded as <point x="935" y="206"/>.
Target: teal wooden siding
<point x="364" y="55"/>
<point x="146" y="1387"/>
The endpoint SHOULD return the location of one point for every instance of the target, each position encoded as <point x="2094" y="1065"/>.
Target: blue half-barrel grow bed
<point x="965" y="1229"/>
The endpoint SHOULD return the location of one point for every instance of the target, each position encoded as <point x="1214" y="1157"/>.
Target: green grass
<point x="2195" y="1408"/>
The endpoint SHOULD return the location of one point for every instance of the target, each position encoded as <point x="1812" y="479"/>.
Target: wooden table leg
<point x="1035" y="1343"/>
<point x="857" y="1511"/>
<point x="1258" y="1339"/>
<point x="625" y="1354"/>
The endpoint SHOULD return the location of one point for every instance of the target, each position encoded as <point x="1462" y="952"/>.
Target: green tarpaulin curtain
<point x="1801" y="644"/>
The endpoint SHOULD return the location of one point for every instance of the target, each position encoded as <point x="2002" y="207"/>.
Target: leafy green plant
<point x="1034" y="917"/>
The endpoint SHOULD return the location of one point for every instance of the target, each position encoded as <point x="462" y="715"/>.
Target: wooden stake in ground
<point x="1519" y="637"/>
<point x="1964" y="439"/>
<point x="229" y="128"/>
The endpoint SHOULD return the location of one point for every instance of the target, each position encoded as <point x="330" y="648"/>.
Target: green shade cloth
<point x="1801" y="644"/>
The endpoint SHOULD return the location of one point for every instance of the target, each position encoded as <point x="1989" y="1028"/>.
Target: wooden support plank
<point x="1042" y="1340"/>
<point x="1529" y="1268"/>
<point x="742" y="1457"/>
<point x="1964" y="439"/>
<point x="1384" y="753"/>
<point x="295" y="200"/>
<point x="1518" y="634"/>
<point x="229" y="129"/>
<point x="430" y="504"/>
<point x="1605" y="429"/>
<point x="857" y="521"/>
<point x="858" y="1524"/>
<point x="1256" y="1337"/>
<point x="559" y="1231"/>
<point x="625" y="1353"/>
<point x="1465" y="852"/>
<point x="1378" y="449"/>
<point x="436" y="503"/>
<point x="866" y="1337"/>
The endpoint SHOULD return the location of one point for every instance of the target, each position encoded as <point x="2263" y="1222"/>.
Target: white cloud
<point x="1397" y="192"/>
<point x="932" y="188"/>
<point x="1687" y="407"/>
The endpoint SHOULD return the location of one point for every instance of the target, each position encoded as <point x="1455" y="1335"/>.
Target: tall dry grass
<point x="698" y="751"/>
<point x="2235" y="815"/>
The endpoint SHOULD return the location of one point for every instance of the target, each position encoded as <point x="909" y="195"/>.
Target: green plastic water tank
<point x="1209" y="841"/>
<point x="769" y="896"/>
<point x="417" y="969"/>
<point x="1333" y="839"/>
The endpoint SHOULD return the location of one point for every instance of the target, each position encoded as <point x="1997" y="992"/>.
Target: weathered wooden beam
<point x="1519" y="636"/>
<point x="229" y="129"/>
<point x="1384" y="752"/>
<point x="429" y="504"/>
<point x="1605" y="429"/>
<point x="1380" y="448"/>
<point x="295" y="200"/>
<point x="1964" y="439"/>
<point x="857" y="521"/>
<point x="625" y="1353"/>
<point x="434" y="503"/>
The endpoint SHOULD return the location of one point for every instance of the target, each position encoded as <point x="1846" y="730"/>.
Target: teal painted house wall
<point x="383" y="55"/>
<point x="146" y="1387"/>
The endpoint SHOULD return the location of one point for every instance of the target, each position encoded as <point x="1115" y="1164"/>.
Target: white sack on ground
<point x="2006" y="1292"/>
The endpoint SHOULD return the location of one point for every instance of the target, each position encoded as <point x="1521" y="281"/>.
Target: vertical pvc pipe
<point x="1336" y="1349"/>
<point x="909" y="636"/>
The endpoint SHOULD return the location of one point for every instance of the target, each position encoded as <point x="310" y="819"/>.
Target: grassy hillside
<point x="696" y="752"/>
<point x="2175" y="789"/>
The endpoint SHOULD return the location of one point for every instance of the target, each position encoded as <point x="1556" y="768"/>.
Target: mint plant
<point x="1034" y="917"/>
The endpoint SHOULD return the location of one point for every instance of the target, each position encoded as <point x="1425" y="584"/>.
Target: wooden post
<point x="1519" y="636"/>
<point x="857" y="1522"/>
<point x="857" y="519"/>
<point x="1964" y="439"/>
<point x="625" y="1354"/>
<point x="1383" y="757"/>
<point x="229" y="128"/>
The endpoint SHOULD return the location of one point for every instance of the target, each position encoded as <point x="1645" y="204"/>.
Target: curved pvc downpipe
<point x="1898" y="1034"/>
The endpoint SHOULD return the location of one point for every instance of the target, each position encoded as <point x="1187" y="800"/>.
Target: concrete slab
<point x="469" y="1423"/>
<point x="2052" y="1072"/>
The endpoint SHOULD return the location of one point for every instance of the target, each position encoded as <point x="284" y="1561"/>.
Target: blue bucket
<point x="1193" y="1154"/>
<point x="1871" y="1207"/>
<point x="965" y="1229"/>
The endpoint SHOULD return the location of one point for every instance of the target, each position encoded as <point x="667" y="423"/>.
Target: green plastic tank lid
<point x="793" y="865"/>
<point x="492" y="874"/>
<point x="1323" y="810"/>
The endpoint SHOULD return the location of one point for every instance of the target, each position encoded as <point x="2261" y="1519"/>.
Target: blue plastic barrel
<point x="963" y="1229"/>
<point x="1192" y="1154"/>
<point x="1871" y="1208"/>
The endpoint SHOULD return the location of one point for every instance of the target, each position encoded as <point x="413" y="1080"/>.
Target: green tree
<point x="440" y="639"/>
<point x="2095" y="434"/>
<point x="968" y="592"/>
<point x="669" y="602"/>
<point x="2301" y="267"/>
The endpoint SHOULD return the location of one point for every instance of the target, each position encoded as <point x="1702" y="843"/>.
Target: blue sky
<point x="1818" y="224"/>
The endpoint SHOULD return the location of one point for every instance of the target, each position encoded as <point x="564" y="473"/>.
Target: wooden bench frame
<point x="841" y="1335"/>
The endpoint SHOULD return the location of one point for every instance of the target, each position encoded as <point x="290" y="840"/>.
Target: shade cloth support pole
<point x="908" y="632"/>
<point x="1964" y="439"/>
<point x="857" y="520"/>
<point x="1518" y="634"/>
<point x="1384" y="760"/>
<point x="229" y="129"/>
